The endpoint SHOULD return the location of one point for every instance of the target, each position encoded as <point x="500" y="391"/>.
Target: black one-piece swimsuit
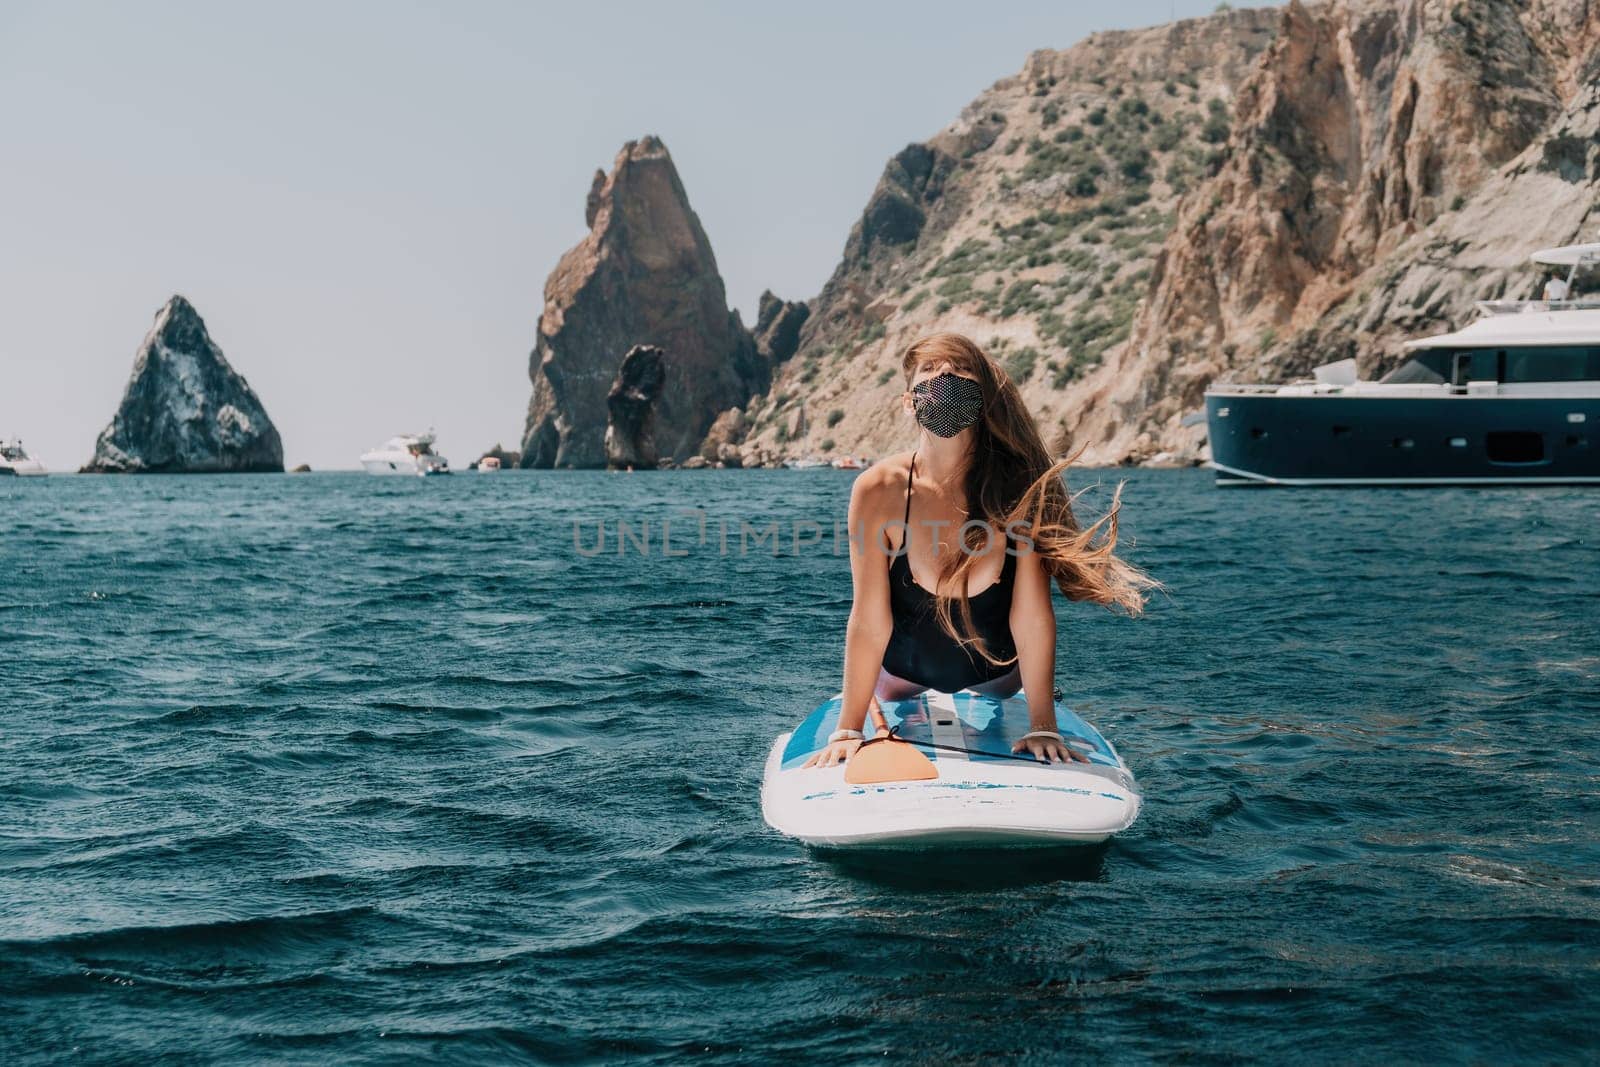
<point x="919" y="649"/>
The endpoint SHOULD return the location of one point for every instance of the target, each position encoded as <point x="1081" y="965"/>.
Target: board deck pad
<point x="990" y="725"/>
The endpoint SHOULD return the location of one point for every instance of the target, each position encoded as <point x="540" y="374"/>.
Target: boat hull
<point x="393" y="464"/>
<point x="1271" y="439"/>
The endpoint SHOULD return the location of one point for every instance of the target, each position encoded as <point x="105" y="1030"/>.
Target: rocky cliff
<point x="644" y="274"/>
<point x="1244" y="195"/>
<point x="1029" y="224"/>
<point x="1388" y="164"/>
<point x="185" y="410"/>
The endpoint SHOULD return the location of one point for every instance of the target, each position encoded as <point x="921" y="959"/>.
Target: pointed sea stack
<point x="644" y="275"/>
<point x="186" y="411"/>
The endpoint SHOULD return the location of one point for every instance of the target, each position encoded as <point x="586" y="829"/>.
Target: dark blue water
<point x="336" y="767"/>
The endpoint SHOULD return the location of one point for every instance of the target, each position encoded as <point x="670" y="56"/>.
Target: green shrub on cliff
<point x="1019" y="364"/>
<point x="1215" y="131"/>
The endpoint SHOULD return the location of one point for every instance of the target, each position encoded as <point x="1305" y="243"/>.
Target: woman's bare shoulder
<point x="877" y="490"/>
<point x="885" y="477"/>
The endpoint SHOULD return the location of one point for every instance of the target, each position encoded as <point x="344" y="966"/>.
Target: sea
<point x="337" y="768"/>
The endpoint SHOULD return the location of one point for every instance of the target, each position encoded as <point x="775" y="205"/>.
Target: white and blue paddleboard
<point x="981" y="799"/>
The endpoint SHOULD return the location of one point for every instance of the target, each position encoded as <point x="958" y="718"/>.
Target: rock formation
<point x="722" y="441"/>
<point x="644" y="274"/>
<point x="1244" y="195"/>
<point x="1388" y="165"/>
<point x="778" y="324"/>
<point x="630" y="429"/>
<point x="508" y="459"/>
<point x="186" y="411"/>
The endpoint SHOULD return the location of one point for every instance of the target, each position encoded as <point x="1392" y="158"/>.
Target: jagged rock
<point x="304" y="468"/>
<point x="591" y="206"/>
<point x="913" y="179"/>
<point x="728" y="429"/>
<point x="694" y="463"/>
<point x="185" y="410"/>
<point x="630" y="432"/>
<point x="729" y="456"/>
<point x="644" y="274"/>
<point x="778" y="324"/>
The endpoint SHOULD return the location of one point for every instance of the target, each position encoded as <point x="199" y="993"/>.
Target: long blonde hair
<point x="1012" y="483"/>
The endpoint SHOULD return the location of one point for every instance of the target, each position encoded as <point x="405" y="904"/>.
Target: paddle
<point x="885" y="758"/>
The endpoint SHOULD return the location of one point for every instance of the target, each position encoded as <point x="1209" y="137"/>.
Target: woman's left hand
<point x="1049" y="750"/>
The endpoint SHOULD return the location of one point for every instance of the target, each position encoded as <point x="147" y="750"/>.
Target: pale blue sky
<point x="363" y="199"/>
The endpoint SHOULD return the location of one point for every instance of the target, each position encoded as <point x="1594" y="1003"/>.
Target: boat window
<point x="1552" y="364"/>
<point x="1545" y="363"/>
<point x="1431" y="366"/>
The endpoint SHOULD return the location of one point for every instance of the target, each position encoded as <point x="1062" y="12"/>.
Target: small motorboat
<point x="406" y="454"/>
<point x="488" y="464"/>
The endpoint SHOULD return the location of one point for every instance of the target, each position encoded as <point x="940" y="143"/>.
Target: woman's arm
<point x="1033" y="629"/>
<point x="871" y="620"/>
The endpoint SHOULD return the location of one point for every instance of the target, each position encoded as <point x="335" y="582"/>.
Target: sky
<point x="363" y="199"/>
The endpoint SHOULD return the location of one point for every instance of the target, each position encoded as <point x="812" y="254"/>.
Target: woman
<point x="978" y="515"/>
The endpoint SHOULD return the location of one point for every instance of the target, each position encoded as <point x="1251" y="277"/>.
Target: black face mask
<point x="947" y="403"/>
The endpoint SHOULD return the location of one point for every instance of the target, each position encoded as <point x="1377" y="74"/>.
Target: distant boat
<point x="406" y="454"/>
<point x="488" y="464"/>
<point x="805" y="463"/>
<point x="1512" y="397"/>
<point x="851" y="463"/>
<point x="14" y="460"/>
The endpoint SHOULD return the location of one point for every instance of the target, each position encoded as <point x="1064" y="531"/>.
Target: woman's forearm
<point x="1036" y="652"/>
<point x="864" y="643"/>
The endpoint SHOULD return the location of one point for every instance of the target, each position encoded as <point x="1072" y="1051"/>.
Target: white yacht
<point x="14" y="460"/>
<point x="409" y="453"/>
<point x="1513" y="397"/>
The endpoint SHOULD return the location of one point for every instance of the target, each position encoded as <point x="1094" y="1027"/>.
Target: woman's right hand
<point x="835" y="754"/>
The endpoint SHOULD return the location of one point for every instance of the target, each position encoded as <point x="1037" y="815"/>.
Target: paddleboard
<point x="981" y="799"/>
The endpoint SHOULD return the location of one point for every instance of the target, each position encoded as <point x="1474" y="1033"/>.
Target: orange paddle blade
<point x="888" y="761"/>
